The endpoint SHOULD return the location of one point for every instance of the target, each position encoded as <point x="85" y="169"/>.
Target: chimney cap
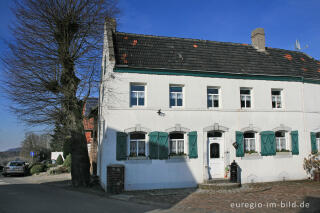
<point x="258" y="39"/>
<point x="257" y="31"/>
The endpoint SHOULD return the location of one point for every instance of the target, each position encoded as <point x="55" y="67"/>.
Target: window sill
<point x="178" y="157"/>
<point x="246" y="109"/>
<point x="137" y="107"/>
<point x="214" y="108"/>
<point x="252" y="156"/>
<point x="138" y="158"/>
<point x="283" y="154"/>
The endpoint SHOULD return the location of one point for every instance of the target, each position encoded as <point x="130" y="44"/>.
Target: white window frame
<point x="176" y="96"/>
<point x="318" y="144"/>
<point x="250" y="141"/>
<point x="278" y="142"/>
<point x="176" y="144"/>
<point x="138" y="94"/>
<point x="277" y="101"/>
<point x="246" y="97"/>
<point x="137" y="145"/>
<point x="212" y="97"/>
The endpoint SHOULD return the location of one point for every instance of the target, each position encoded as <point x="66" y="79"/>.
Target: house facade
<point x="176" y="112"/>
<point x="90" y="128"/>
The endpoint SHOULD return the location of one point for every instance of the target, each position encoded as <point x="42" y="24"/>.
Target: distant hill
<point x="9" y="155"/>
<point x="18" y="149"/>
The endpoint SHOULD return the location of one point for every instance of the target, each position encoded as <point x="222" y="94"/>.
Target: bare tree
<point x="53" y="65"/>
<point x="38" y="144"/>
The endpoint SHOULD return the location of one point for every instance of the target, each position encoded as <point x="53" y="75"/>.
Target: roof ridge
<point x="216" y="42"/>
<point x="187" y="39"/>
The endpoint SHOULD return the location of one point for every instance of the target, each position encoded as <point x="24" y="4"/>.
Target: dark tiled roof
<point x="154" y="52"/>
<point x="90" y="104"/>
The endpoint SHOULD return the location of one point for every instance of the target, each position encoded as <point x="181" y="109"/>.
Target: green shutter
<point x="313" y="142"/>
<point x="268" y="143"/>
<point x="295" y="142"/>
<point x="163" y="145"/>
<point x="239" y="141"/>
<point x="193" y="147"/>
<point x="153" y="145"/>
<point x="121" y="148"/>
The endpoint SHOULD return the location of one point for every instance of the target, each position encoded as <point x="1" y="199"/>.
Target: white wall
<point x="299" y="113"/>
<point x="55" y="155"/>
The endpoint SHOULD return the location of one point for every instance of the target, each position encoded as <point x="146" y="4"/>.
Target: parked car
<point x="15" y="168"/>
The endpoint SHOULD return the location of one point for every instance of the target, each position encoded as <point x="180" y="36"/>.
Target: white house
<point x="172" y="110"/>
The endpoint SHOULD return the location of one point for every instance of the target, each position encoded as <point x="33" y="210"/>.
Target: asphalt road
<point x="17" y="195"/>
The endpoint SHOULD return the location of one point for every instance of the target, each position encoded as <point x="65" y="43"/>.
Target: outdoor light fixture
<point x="160" y="113"/>
<point x="235" y="145"/>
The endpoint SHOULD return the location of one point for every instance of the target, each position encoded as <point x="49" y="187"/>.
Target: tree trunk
<point x="80" y="160"/>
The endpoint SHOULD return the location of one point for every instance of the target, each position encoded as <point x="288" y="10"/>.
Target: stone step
<point x="217" y="180"/>
<point x="219" y="186"/>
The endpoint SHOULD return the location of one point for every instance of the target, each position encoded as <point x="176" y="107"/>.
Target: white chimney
<point x="258" y="39"/>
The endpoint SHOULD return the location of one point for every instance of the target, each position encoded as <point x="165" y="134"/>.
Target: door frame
<point x="222" y="148"/>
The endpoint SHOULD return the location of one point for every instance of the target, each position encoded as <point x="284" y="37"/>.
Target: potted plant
<point x="312" y="166"/>
<point x="251" y="153"/>
<point x="177" y="155"/>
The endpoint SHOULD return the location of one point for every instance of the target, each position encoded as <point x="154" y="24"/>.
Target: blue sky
<point x="284" y="21"/>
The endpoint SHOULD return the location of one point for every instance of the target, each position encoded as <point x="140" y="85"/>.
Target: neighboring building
<point x="90" y="125"/>
<point x="172" y="110"/>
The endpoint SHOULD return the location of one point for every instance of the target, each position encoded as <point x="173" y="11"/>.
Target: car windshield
<point x="16" y="163"/>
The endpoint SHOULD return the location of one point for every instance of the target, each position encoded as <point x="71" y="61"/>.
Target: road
<point x="19" y="195"/>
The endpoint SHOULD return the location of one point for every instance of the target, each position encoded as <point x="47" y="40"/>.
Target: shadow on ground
<point x="314" y="205"/>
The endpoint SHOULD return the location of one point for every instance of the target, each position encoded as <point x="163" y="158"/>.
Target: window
<point x="214" y="134"/>
<point x="176" y="144"/>
<point x="276" y="98"/>
<point x="176" y="96"/>
<point x="137" y="95"/>
<point x="213" y="97"/>
<point x="137" y="144"/>
<point x="249" y="142"/>
<point x="318" y="141"/>
<point x="245" y="97"/>
<point x="214" y="150"/>
<point x="281" y="144"/>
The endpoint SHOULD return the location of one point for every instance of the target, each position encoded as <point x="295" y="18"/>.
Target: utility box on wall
<point x="115" y="178"/>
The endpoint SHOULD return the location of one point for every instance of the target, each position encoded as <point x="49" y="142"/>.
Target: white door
<point x="216" y="157"/>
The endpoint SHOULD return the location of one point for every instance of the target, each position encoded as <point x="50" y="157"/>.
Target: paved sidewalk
<point x="264" y="197"/>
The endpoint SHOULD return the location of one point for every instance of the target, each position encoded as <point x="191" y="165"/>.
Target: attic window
<point x="288" y="56"/>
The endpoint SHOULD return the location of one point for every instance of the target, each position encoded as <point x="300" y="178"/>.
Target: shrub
<point x="59" y="160"/>
<point x="67" y="161"/>
<point x="36" y="169"/>
<point x="311" y="163"/>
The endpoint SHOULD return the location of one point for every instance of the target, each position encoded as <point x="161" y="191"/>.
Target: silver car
<point x="14" y="168"/>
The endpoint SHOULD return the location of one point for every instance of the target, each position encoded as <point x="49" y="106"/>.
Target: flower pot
<point x="316" y="175"/>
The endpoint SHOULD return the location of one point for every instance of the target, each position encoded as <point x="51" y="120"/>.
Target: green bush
<point x="36" y="169"/>
<point x="59" y="160"/>
<point x="67" y="161"/>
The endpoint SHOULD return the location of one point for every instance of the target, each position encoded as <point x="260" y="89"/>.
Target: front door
<point x="216" y="157"/>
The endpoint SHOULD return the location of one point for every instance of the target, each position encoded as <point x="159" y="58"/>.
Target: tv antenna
<point x="297" y="46"/>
